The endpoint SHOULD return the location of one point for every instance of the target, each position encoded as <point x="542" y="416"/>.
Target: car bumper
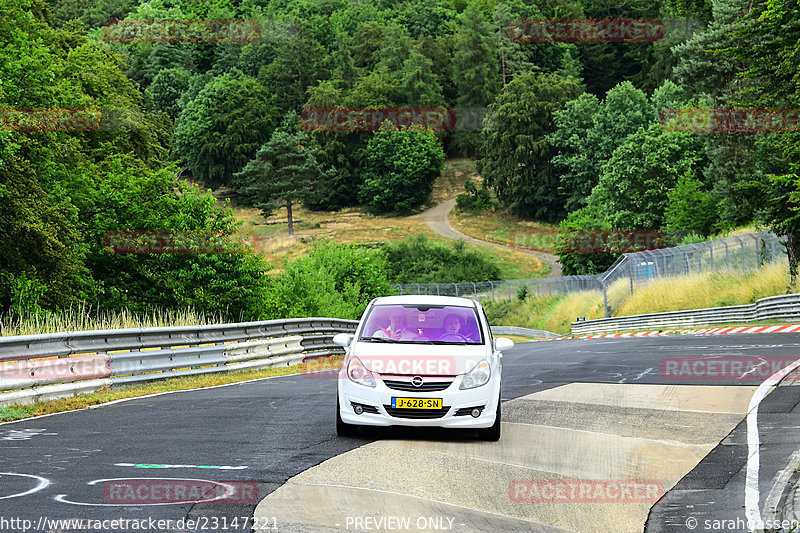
<point x="380" y="397"/>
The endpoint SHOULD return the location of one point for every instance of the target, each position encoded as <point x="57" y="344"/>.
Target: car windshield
<point x="422" y="324"/>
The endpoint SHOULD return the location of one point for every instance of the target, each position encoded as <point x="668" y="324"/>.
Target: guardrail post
<point x="605" y="300"/>
<point x="456" y="286"/>
<point x="474" y="289"/>
<point x="492" y="284"/>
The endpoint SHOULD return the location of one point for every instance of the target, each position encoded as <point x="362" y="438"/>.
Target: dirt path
<point x="436" y="219"/>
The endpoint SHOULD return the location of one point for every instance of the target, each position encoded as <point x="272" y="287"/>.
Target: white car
<point x="421" y="361"/>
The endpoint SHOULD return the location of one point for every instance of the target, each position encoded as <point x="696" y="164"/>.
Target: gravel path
<point x="436" y="219"/>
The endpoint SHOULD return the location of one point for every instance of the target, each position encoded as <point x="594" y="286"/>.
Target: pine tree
<point x="284" y="172"/>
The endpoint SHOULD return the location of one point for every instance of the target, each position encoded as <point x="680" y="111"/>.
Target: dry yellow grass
<point x="82" y="318"/>
<point x="669" y="294"/>
<point x="353" y="225"/>
<point x="706" y="290"/>
<point x="503" y="228"/>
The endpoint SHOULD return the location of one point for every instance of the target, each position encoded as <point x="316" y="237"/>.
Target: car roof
<point x="424" y="300"/>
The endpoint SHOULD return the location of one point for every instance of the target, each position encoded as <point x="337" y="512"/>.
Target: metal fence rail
<point x="785" y="307"/>
<point x="41" y="367"/>
<point x="740" y="253"/>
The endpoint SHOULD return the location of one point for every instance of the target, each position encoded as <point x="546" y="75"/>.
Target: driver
<point x="397" y="329"/>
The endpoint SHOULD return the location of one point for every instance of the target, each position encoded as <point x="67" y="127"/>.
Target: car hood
<point x="419" y="359"/>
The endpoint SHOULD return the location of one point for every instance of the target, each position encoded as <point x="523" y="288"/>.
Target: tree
<point x="399" y="169"/>
<point x="220" y="130"/>
<point x="587" y="133"/>
<point x="167" y="88"/>
<point x="690" y="208"/>
<point x="476" y="70"/>
<point x="517" y="156"/>
<point x="771" y="52"/>
<point x="418" y="82"/>
<point x="632" y="191"/>
<point x="336" y="280"/>
<point x="284" y="172"/>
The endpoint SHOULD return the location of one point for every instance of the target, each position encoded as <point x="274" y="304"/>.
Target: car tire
<point x="343" y="429"/>
<point x="492" y="433"/>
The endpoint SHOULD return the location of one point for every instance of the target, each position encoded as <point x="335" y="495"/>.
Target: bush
<point x="522" y="293"/>
<point x="334" y="280"/>
<point x="419" y="260"/>
<point x="574" y="263"/>
<point x="475" y="200"/>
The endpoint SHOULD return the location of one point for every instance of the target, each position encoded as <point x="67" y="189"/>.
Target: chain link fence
<point x="738" y="253"/>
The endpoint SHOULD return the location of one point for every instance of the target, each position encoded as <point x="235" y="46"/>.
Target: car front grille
<point x="416" y="413"/>
<point x="427" y="386"/>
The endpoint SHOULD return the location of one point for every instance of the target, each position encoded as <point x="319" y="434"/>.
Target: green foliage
<point x="690" y="208"/>
<point x="517" y="155"/>
<point x="475" y="200"/>
<point x="574" y="263"/>
<point x="221" y="129"/>
<point x="399" y="169"/>
<point x="333" y="280"/>
<point x="167" y="88"/>
<point x="633" y="188"/>
<point x="284" y="172"/>
<point x="522" y="293"/>
<point x="419" y="260"/>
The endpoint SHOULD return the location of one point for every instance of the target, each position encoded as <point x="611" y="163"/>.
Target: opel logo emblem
<point x="416" y="381"/>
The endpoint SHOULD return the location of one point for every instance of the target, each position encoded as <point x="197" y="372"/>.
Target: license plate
<point x="417" y="403"/>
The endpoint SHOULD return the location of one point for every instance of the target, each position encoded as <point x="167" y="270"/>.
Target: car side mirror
<point x="502" y="344"/>
<point x="342" y="339"/>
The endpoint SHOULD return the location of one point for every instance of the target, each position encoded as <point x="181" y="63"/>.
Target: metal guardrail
<point x="524" y="332"/>
<point x="55" y="365"/>
<point x="785" y="307"/>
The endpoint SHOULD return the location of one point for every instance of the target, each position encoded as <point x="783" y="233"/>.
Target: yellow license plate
<point x="417" y="403"/>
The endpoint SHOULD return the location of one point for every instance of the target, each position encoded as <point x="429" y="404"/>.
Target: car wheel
<point x="343" y="429"/>
<point x="492" y="433"/>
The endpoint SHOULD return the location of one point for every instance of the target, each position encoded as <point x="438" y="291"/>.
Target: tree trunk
<point x="289" y="217"/>
<point x="793" y="251"/>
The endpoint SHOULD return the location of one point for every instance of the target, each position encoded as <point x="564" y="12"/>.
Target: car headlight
<point x="476" y="377"/>
<point x="358" y="373"/>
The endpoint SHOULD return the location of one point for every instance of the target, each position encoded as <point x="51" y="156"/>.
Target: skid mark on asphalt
<point x="614" y="432"/>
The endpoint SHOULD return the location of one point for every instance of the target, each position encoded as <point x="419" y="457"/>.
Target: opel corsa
<point x="421" y="361"/>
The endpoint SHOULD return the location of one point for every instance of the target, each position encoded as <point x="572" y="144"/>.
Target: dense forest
<point x="572" y="134"/>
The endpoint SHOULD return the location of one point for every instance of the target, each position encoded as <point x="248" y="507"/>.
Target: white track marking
<point x="751" y="496"/>
<point x="43" y="482"/>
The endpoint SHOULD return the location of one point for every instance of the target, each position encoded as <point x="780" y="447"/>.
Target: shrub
<point x="419" y="260"/>
<point x="475" y="200"/>
<point x="334" y="280"/>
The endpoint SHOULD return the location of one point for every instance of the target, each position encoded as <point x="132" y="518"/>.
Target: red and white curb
<point x="785" y="328"/>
